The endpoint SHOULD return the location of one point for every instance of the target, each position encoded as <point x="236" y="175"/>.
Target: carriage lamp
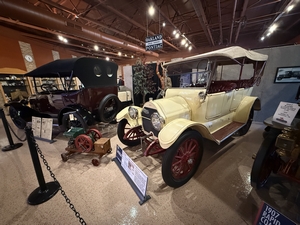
<point x="133" y="113"/>
<point x="157" y="121"/>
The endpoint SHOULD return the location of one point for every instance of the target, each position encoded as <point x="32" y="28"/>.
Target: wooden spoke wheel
<point x="127" y="135"/>
<point x="84" y="143"/>
<point x="266" y="161"/>
<point x="182" y="159"/>
<point x="94" y="134"/>
<point x="95" y="162"/>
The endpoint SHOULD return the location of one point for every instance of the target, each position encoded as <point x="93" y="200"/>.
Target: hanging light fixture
<point x="151" y="10"/>
<point x="96" y="47"/>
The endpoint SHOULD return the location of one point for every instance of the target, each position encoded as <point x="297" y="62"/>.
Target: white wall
<point x="271" y="93"/>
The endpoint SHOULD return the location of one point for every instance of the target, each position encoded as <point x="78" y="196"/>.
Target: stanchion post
<point x="46" y="190"/>
<point x="11" y="145"/>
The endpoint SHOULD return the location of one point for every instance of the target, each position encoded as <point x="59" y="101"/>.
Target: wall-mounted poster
<point x="287" y="75"/>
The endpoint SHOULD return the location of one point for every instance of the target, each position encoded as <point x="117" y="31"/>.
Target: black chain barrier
<point x="20" y="139"/>
<point x="77" y="214"/>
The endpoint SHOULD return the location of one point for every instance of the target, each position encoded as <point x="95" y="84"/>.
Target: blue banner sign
<point x="269" y="216"/>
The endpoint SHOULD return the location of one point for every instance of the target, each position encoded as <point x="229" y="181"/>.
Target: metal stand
<point x="11" y="145"/>
<point x="46" y="190"/>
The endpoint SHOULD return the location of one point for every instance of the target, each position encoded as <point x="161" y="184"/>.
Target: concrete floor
<point x="219" y="193"/>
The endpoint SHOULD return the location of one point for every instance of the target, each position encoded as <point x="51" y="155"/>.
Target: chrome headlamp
<point x="133" y="113"/>
<point x="157" y="121"/>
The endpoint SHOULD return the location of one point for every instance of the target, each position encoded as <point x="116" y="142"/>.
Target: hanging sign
<point x="154" y="42"/>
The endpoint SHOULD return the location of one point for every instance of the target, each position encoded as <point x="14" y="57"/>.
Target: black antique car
<point x="94" y="100"/>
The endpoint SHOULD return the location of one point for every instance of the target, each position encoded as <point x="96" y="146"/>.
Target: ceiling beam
<point x="135" y="23"/>
<point x="233" y="21"/>
<point x="242" y="16"/>
<point x="220" y="21"/>
<point x="203" y="21"/>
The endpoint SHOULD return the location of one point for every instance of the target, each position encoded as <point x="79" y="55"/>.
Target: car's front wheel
<point x="76" y="121"/>
<point x="133" y="135"/>
<point x="182" y="159"/>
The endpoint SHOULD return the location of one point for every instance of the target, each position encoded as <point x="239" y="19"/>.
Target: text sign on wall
<point x="269" y="216"/>
<point x="154" y="42"/>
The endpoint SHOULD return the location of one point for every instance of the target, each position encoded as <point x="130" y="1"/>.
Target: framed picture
<point x="287" y="75"/>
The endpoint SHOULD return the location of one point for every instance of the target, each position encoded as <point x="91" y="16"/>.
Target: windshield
<point x="194" y="73"/>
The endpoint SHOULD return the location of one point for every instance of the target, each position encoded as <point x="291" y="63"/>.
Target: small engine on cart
<point x="90" y="142"/>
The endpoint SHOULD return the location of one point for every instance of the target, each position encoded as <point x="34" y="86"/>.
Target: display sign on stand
<point x="286" y="113"/>
<point x="270" y="216"/>
<point x="42" y="128"/>
<point x="134" y="175"/>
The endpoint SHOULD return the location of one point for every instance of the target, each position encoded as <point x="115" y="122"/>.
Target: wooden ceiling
<point x="122" y="25"/>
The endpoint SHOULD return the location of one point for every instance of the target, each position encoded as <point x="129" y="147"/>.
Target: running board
<point x="227" y="131"/>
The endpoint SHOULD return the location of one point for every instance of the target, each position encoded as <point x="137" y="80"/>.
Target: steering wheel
<point x="48" y="87"/>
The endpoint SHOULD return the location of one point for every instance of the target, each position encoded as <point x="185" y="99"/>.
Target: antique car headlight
<point x="157" y="121"/>
<point x="133" y="113"/>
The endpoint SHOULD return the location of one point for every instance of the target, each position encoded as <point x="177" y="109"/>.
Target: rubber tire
<point x="244" y="130"/>
<point x="172" y="152"/>
<point x="102" y="105"/>
<point x="266" y="149"/>
<point x="17" y="120"/>
<point x="66" y="119"/>
<point x="121" y="131"/>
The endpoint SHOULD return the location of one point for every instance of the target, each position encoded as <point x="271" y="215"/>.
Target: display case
<point x="14" y="86"/>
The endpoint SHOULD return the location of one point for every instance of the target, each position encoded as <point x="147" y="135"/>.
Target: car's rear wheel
<point x="16" y="118"/>
<point x="182" y="159"/>
<point x="109" y="108"/>
<point x="132" y="134"/>
<point x="244" y="130"/>
<point x="77" y="121"/>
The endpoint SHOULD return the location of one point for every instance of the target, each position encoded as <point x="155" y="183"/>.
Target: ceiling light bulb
<point x="60" y="37"/>
<point x="177" y="35"/>
<point x="174" y="32"/>
<point x="273" y="28"/>
<point x="96" y="47"/>
<point x="186" y="45"/>
<point x="65" y="40"/>
<point x="151" y="10"/>
<point x="119" y="53"/>
<point x="268" y="34"/>
<point x="164" y="24"/>
<point x="125" y="55"/>
<point x="190" y="48"/>
<point x="107" y="58"/>
<point x="289" y="8"/>
<point x="132" y="56"/>
<point x="183" y="41"/>
<point x="262" y="38"/>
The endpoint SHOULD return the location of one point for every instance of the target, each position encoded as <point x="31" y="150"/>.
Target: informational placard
<point x="36" y="126"/>
<point x="270" y="216"/>
<point x="46" y="131"/>
<point x="154" y="42"/>
<point x="135" y="176"/>
<point x="42" y="128"/>
<point x="286" y="113"/>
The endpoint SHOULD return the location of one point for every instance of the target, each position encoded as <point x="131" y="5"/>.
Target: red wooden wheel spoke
<point x="185" y="159"/>
<point x="84" y="143"/>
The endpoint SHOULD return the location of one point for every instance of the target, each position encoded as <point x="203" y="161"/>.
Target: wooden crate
<point x="102" y="145"/>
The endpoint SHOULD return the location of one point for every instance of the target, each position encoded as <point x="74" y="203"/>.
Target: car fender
<point x="242" y="112"/>
<point x="123" y="114"/>
<point x="171" y="132"/>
